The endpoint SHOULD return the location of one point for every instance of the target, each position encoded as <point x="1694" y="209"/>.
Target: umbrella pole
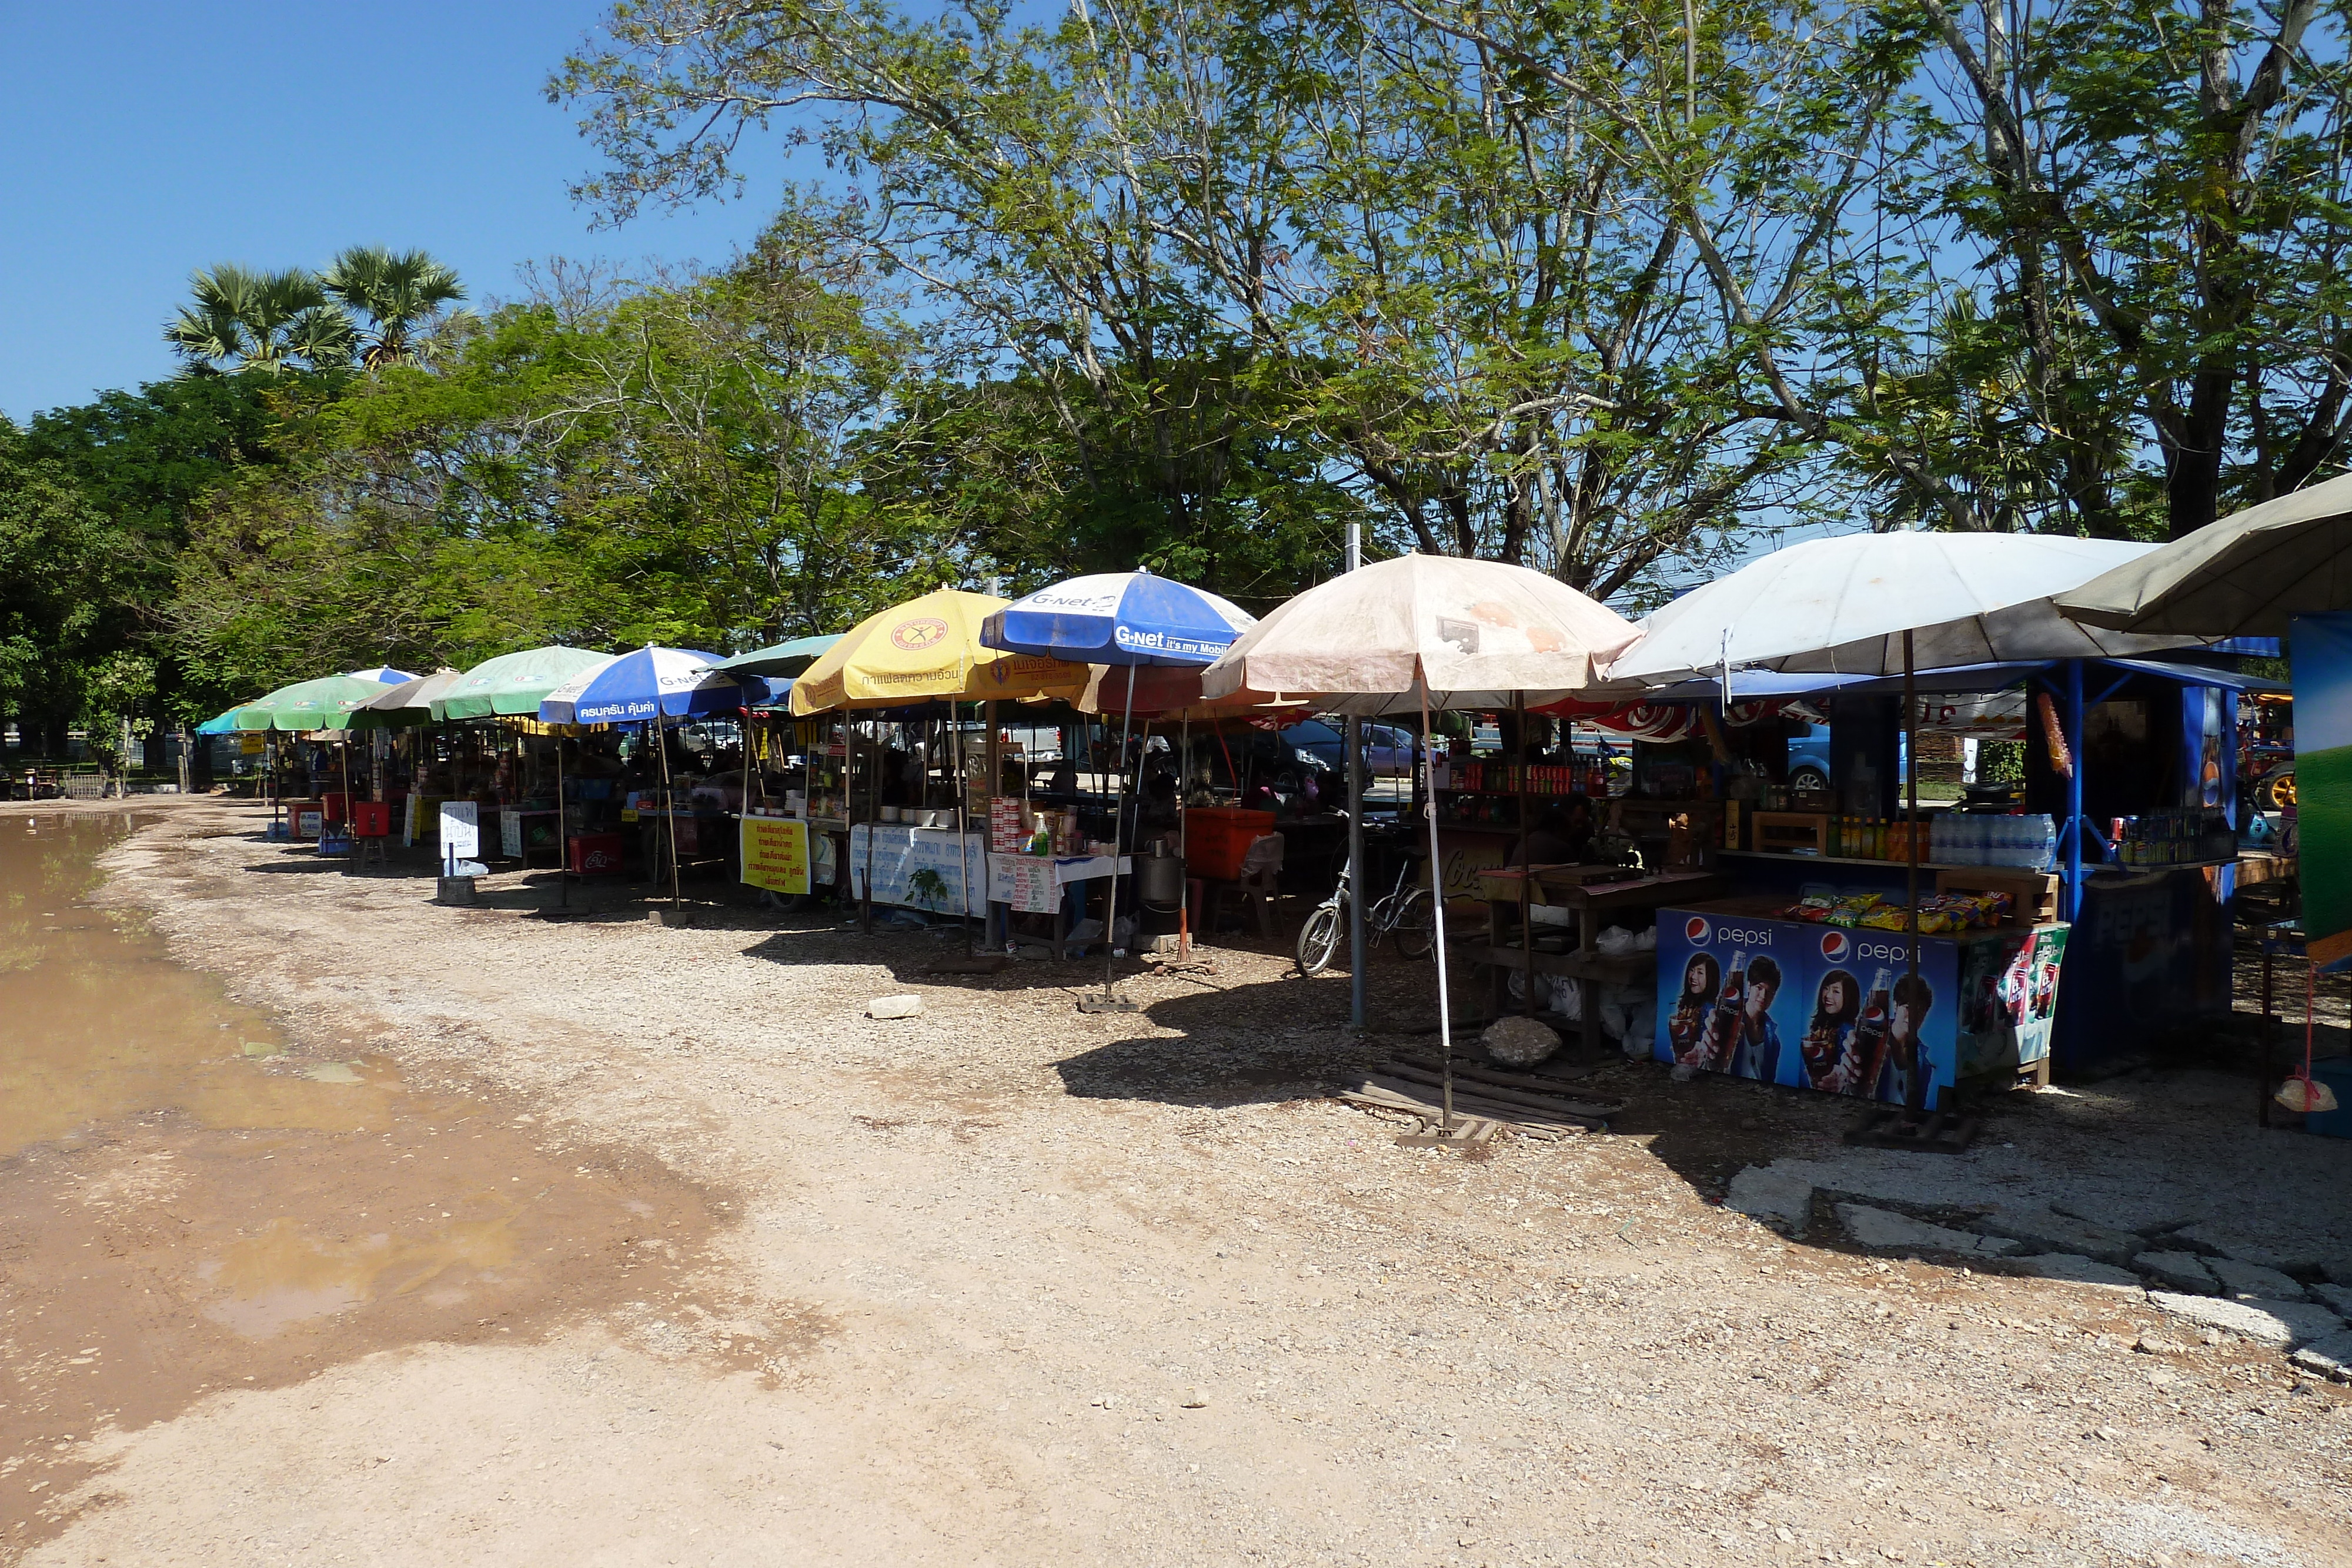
<point x="1118" y="838"/>
<point x="1916" y="1087"/>
<point x="1527" y="861"/>
<point x="1184" y="787"/>
<point x="963" y="844"/>
<point x="562" y="835"/>
<point x="669" y="808"/>
<point x="873" y="814"/>
<point x="1437" y="915"/>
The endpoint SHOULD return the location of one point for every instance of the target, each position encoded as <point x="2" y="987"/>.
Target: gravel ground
<point x="1008" y="1283"/>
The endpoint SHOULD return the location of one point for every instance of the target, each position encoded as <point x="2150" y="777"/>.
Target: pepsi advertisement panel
<point x="1811" y="1007"/>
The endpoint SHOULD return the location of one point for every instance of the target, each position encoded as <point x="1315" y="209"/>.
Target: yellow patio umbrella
<point x="926" y="649"/>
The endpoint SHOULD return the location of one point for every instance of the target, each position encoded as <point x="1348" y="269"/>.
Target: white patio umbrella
<point x="1419" y="633"/>
<point x="1843" y="605"/>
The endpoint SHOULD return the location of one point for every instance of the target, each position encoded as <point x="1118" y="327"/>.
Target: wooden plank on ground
<point x="1486" y="1089"/>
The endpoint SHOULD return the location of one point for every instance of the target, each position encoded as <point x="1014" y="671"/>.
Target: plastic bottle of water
<point x="1969" y="850"/>
<point x="2049" y="841"/>
<point x="2004" y="843"/>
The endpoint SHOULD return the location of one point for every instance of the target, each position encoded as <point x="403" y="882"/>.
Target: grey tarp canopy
<point x="2245" y="576"/>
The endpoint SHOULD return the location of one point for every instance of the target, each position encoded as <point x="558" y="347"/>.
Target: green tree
<point x="252" y="320"/>
<point x="143" y="461"/>
<point x="1529" y="280"/>
<point x="60" y="569"/>
<point x="401" y="296"/>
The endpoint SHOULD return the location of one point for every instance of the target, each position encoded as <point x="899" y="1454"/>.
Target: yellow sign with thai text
<point x="775" y="853"/>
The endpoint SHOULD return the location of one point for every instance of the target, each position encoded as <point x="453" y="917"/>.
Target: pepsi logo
<point x="1694" y="929"/>
<point x="1836" y="945"/>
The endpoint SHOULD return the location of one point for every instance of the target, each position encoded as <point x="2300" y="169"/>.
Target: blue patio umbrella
<point x="382" y="674"/>
<point x="652" y="685"/>
<point x="221" y="723"/>
<point x="1131" y="618"/>
<point x="1118" y="618"/>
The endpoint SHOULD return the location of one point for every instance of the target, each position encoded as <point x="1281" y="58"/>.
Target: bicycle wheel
<point x="1414" y="922"/>
<point x="1318" y="939"/>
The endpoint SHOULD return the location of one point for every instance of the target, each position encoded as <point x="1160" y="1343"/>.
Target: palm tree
<point x="260" y="321"/>
<point x="401" y="293"/>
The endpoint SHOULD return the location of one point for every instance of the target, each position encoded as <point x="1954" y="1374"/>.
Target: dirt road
<point x="605" y="1242"/>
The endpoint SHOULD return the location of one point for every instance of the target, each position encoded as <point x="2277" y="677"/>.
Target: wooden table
<point x="1577" y="889"/>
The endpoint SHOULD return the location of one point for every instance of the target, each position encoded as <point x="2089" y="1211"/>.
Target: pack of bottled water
<point x="2028" y="841"/>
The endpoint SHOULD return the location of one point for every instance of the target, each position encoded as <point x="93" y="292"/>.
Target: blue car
<point x="1809" y="759"/>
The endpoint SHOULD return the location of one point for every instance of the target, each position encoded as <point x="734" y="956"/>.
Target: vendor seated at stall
<point x="898" y="785"/>
<point x="591" y="759"/>
<point x="1561" y="836"/>
<point x="1158" y="813"/>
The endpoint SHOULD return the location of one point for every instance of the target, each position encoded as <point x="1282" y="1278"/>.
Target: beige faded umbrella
<point x="2245" y="576"/>
<point x="1458" y="634"/>
<point x="1426" y="631"/>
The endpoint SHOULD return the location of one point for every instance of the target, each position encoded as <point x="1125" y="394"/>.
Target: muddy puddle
<point x="188" y="1203"/>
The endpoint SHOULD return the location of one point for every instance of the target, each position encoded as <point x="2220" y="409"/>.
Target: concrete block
<point x="2076" y="1270"/>
<point x="2330" y="1357"/>
<point x="2253" y="1282"/>
<point x="2048" y="1229"/>
<point x="2282" y="1324"/>
<point x="1883" y="1230"/>
<point x="2335" y="1298"/>
<point x="2182" y="1271"/>
<point x="1781" y="1199"/>
<point x="2213" y="1236"/>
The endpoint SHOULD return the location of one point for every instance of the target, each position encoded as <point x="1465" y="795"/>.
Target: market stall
<point x="903" y="684"/>
<point x="1994" y="874"/>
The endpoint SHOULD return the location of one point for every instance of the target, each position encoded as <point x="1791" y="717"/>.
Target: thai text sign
<point x="775" y="853"/>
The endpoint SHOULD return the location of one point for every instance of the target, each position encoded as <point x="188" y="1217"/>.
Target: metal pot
<point x="1160" y="881"/>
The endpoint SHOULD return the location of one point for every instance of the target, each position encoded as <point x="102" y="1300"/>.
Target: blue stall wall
<point x="2151" y="953"/>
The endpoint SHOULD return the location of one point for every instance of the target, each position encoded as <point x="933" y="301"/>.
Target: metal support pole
<point x="1915" y="1099"/>
<point x="1519" y="766"/>
<point x="1359" y="957"/>
<point x="1437" y="913"/>
<point x="669" y="810"/>
<point x="2073" y="790"/>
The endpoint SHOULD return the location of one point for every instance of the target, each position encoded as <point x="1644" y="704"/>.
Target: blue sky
<point x="148" y="140"/>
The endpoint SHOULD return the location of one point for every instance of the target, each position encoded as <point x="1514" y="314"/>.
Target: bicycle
<point x="1406" y="912"/>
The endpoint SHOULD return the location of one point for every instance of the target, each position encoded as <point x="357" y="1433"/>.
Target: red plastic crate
<point x="595" y="853"/>
<point x="1217" y="837"/>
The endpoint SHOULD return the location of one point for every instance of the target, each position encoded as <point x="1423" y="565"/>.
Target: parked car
<point x="1809" y="759"/>
<point x="1389" y="750"/>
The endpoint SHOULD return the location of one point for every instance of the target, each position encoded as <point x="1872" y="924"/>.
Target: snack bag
<point x="1850" y="911"/>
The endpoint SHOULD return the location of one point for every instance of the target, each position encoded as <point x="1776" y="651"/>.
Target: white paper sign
<point x="920" y="868"/>
<point x="461" y="830"/>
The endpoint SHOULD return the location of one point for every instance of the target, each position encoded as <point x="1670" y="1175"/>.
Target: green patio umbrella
<point x="327" y="703"/>
<point x="513" y="682"/>
<point x="783" y="659"/>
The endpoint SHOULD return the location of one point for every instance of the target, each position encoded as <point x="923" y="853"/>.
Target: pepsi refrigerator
<point x="1745" y="991"/>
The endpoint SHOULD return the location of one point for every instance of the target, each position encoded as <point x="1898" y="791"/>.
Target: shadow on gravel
<point x="1209" y="1074"/>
